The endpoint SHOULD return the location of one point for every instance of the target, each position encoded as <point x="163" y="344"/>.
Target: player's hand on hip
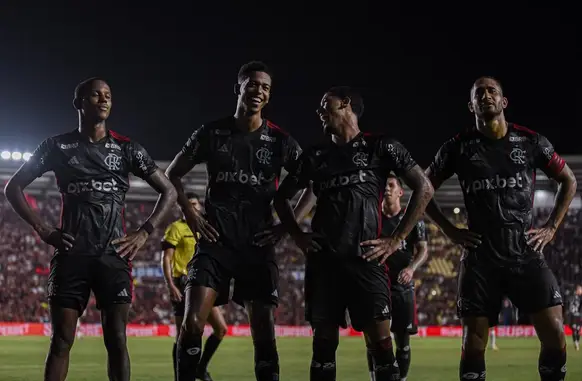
<point x="539" y="238"/>
<point x="57" y="238"/>
<point x="175" y="294"/>
<point x="405" y="276"/>
<point x="270" y="236"/>
<point x="465" y="237"/>
<point x="306" y="243"/>
<point x="129" y="245"/>
<point x="199" y="224"/>
<point x="380" y="248"/>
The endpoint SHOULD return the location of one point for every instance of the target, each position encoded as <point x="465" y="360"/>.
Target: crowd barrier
<point x="136" y="330"/>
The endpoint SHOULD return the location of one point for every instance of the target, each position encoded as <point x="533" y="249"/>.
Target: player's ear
<point x="504" y="103"/>
<point x="237" y="89"/>
<point x="471" y="108"/>
<point x="346" y="102"/>
<point x="77" y="103"/>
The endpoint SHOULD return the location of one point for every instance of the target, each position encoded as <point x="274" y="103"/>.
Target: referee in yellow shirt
<point x="178" y="247"/>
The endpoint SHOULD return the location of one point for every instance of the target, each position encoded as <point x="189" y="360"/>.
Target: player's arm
<point x="555" y="168"/>
<point x="307" y="199"/>
<point x="441" y="169"/>
<point x="396" y="157"/>
<point x="36" y="166"/>
<point x="171" y="239"/>
<point x="144" y="167"/>
<point x="419" y="253"/>
<point x="195" y="151"/>
<point x="297" y="179"/>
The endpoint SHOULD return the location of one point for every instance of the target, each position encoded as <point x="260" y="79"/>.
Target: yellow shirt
<point x="179" y="236"/>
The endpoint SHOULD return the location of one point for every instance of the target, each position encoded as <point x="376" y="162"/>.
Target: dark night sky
<point x="171" y="70"/>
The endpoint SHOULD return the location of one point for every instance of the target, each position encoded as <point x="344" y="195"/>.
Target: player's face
<point x="330" y="112"/>
<point x="195" y="204"/>
<point x="255" y="91"/>
<point x="97" y="102"/>
<point x="487" y="100"/>
<point x="393" y="191"/>
<point x="579" y="290"/>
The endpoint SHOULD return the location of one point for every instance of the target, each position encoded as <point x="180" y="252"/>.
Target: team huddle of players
<point x="362" y="250"/>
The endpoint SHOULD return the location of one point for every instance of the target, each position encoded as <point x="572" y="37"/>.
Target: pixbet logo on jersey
<point x="93" y="185"/>
<point x="494" y="183"/>
<point x="343" y="180"/>
<point x="243" y="178"/>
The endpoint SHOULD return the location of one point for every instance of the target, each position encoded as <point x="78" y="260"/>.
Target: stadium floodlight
<point x="5" y="155"/>
<point x="16" y="155"/>
<point x="26" y="156"/>
<point x="456" y="210"/>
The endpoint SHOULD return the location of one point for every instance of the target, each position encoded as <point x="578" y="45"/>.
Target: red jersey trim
<point x="273" y="126"/>
<point x="556" y="164"/>
<point x="117" y="136"/>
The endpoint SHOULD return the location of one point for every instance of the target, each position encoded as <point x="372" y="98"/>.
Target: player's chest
<point x="83" y="160"/>
<point x="244" y="152"/>
<point x="336" y="161"/>
<point x="478" y="159"/>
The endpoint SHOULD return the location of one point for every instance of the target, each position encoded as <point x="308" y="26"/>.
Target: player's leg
<point x="256" y="289"/>
<point x="68" y="293"/>
<point x="535" y="291"/>
<point x="205" y="275"/>
<point x="63" y="323"/>
<point x="113" y="288"/>
<point x="369" y="308"/>
<point x="325" y="310"/>
<point x="575" y="326"/>
<point x="114" y="318"/>
<point x="404" y="324"/>
<point x="178" y="309"/>
<point x="478" y="304"/>
<point x="219" y="329"/>
<point x="493" y="339"/>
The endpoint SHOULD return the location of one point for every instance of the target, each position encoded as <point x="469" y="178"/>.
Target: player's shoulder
<point x="67" y="140"/>
<point x="317" y="150"/>
<point x="275" y="130"/>
<point x="518" y="133"/>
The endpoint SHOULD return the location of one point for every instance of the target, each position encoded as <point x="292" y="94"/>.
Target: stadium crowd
<point x="25" y="261"/>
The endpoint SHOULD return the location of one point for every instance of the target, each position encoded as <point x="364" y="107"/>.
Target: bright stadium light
<point x="5" y="155"/>
<point x="16" y="155"/>
<point x="456" y="210"/>
<point x="26" y="156"/>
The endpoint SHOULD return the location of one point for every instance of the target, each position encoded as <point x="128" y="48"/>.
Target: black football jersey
<point x="498" y="182"/>
<point x="402" y="257"/>
<point x="243" y="175"/>
<point x="349" y="182"/>
<point x="93" y="179"/>
<point x="575" y="306"/>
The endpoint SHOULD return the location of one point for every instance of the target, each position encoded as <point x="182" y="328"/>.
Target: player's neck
<point x="94" y="131"/>
<point x="495" y="128"/>
<point x="248" y="122"/>
<point x="390" y="210"/>
<point x="347" y="131"/>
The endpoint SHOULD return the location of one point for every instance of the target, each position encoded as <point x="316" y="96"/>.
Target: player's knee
<point x="553" y="335"/>
<point x="402" y="341"/>
<point x="61" y="344"/>
<point x="115" y="340"/>
<point x="193" y="324"/>
<point x="220" y="331"/>
<point x="262" y="321"/>
<point x="324" y="347"/>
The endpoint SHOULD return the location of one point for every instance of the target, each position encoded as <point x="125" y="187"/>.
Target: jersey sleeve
<point x="141" y="163"/>
<point x="291" y="153"/>
<point x="197" y="147"/>
<point x="546" y="158"/>
<point x="396" y="156"/>
<point x="172" y="237"/>
<point x="42" y="159"/>
<point x="443" y="164"/>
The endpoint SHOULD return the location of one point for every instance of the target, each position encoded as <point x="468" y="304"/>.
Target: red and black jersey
<point x="349" y="182"/>
<point x="498" y="182"/>
<point x="93" y="179"/>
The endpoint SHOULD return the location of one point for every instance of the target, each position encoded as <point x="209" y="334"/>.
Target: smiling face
<point x="254" y="91"/>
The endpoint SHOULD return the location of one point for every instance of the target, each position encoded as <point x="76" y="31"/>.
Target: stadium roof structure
<point x="449" y="195"/>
